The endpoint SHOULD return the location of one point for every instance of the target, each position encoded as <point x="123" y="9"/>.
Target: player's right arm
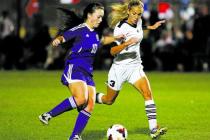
<point x="67" y="35"/>
<point x="57" y="41"/>
<point x="118" y="48"/>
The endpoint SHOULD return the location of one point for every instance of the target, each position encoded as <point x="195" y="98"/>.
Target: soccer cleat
<point x="76" y="137"/>
<point x="163" y="130"/>
<point x="45" y="118"/>
<point x="157" y="132"/>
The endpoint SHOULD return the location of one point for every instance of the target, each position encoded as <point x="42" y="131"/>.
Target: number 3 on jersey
<point x="112" y="83"/>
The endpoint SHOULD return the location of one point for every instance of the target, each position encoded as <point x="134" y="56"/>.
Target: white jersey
<point x="131" y="54"/>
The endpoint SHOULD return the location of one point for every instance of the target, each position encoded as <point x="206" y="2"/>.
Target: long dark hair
<point x="71" y="19"/>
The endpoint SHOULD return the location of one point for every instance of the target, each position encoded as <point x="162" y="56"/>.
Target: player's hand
<point x="133" y="40"/>
<point x="56" y="42"/>
<point x="119" y="37"/>
<point x="157" y="24"/>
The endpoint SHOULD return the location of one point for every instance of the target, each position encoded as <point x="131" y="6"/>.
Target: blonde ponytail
<point x="119" y="11"/>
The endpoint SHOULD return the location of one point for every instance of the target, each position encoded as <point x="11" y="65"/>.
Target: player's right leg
<point x="74" y="80"/>
<point x="114" y="84"/>
<point x="78" y="98"/>
<point x="108" y="98"/>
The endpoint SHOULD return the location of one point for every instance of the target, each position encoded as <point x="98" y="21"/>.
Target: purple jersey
<point x="84" y="47"/>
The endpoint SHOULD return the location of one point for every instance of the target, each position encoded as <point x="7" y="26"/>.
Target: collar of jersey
<point x="88" y="27"/>
<point x="134" y="26"/>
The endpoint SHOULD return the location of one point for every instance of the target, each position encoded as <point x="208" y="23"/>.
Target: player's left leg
<point x="156" y="132"/>
<point x="143" y="86"/>
<point x="78" y="98"/>
<point x="84" y="114"/>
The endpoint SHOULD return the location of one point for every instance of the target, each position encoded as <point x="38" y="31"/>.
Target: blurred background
<point x="182" y="44"/>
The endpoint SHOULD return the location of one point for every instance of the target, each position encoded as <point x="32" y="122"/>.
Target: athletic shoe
<point x="45" y="118"/>
<point x="76" y="137"/>
<point x="157" y="132"/>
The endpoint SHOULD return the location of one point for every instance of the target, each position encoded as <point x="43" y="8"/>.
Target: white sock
<point x="99" y="98"/>
<point x="150" y="109"/>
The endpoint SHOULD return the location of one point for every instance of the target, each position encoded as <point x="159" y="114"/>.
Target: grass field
<point x="182" y="99"/>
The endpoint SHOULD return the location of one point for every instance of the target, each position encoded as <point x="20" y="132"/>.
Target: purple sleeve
<point x="69" y="34"/>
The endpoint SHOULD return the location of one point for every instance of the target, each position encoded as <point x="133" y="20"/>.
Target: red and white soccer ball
<point x="117" y="132"/>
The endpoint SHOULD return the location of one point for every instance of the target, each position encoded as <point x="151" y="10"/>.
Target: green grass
<point x="182" y="99"/>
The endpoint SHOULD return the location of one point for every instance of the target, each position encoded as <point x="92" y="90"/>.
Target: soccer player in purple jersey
<point x="77" y="75"/>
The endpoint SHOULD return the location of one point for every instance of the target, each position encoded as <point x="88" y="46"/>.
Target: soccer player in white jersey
<point x="127" y="65"/>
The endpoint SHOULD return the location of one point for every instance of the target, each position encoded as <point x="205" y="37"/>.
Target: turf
<point x="182" y="100"/>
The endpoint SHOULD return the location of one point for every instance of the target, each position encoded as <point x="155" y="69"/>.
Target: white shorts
<point x="118" y="74"/>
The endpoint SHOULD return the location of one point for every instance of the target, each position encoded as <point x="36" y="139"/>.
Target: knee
<point x="80" y="101"/>
<point x="90" y="106"/>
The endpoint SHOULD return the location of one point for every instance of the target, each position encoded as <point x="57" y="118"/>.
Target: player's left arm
<point x="154" y="26"/>
<point x="109" y="39"/>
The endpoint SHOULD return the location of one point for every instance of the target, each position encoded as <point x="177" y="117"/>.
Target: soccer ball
<point x="117" y="132"/>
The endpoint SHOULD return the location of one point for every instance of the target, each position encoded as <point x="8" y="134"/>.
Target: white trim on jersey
<point x="78" y="27"/>
<point x="68" y="76"/>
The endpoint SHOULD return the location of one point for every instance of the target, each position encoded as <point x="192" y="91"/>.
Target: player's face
<point x="96" y="17"/>
<point x="134" y="13"/>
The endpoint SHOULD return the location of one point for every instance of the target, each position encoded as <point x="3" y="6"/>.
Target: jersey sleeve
<point x="139" y="23"/>
<point x="71" y="33"/>
<point x="118" y="31"/>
